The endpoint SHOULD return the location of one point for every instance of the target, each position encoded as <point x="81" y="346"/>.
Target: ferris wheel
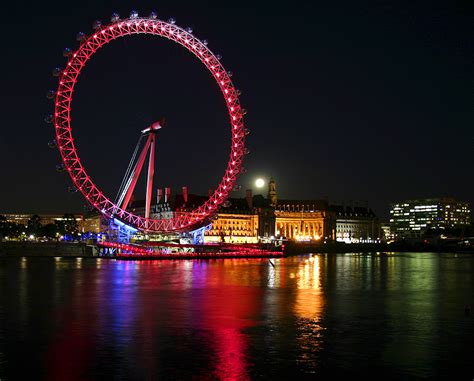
<point x="63" y="96"/>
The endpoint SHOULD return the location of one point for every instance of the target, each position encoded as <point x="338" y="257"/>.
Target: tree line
<point x="67" y="225"/>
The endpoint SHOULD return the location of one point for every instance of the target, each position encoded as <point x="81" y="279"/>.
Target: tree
<point x="49" y="230"/>
<point x="14" y="230"/>
<point x="3" y="226"/>
<point x="33" y="226"/>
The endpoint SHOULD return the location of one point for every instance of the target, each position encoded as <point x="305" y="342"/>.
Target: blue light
<point x="124" y="226"/>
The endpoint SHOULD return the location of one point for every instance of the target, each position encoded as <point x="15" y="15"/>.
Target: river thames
<point x="392" y="316"/>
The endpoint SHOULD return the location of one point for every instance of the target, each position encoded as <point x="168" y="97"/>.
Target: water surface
<point x="394" y="316"/>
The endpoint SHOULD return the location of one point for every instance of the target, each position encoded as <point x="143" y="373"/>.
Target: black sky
<point x="346" y="100"/>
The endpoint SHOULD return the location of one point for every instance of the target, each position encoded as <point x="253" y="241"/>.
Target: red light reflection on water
<point x="228" y="305"/>
<point x="227" y="311"/>
<point x="149" y="304"/>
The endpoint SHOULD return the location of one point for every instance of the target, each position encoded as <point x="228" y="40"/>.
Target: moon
<point x="259" y="183"/>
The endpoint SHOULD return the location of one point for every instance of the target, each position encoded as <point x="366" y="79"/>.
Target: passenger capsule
<point x="243" y="111"/>
<point x="133" y="14"/>
<point x="243" y="170"/>
<point x="48" y="118"/>
<point x="67" y="52"/>
<point x="81" y="36"/>
<point x="72" y="189"/>
<point x="57" y="71"/>
<point x="153" y="15"/>
<point x="230" y="74"/>
<point x="247" y="131"/>
<point x="189" y="30"/>
<point x="52" y="144"/>
<point x="96" y="24"/>
<point x="237" y="187"/>
<point x="218" y="56"/>
<point x="172" y="20"/>
<point x="205" y="42"/>
<point x="51" y="94"/>
<point x="60" y="167"/>
<point x="238" y="92"/>
<point x="246" y="151"/>
<point x="115" y="17"/>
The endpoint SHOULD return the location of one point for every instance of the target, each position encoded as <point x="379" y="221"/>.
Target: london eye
<point x="71" y="162"/>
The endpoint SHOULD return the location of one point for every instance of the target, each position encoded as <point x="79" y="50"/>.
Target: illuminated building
<point x="303" y="220"/>
<point x="356" y="224"/>
<point x="94" y="223"/>
<point x="256" y="218"/>
<point x="236" y="221"/>
<point x="233" y="227"/>
<point x="411" y="218"/>
<point x="314" y="220"/>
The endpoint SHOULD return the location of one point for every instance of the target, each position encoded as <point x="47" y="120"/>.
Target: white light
<point x="259" y="183"/>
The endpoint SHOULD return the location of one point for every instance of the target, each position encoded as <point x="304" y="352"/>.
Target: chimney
<point x="249" y="198"/>
<point x="159" y="195"/>
<point x="167" y="194"/>
<point x="185" y="194"/>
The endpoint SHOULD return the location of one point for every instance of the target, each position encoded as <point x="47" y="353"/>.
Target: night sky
<point x="346" y="100"/>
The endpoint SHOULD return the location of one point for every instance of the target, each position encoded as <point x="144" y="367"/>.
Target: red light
<point x="76" y="171"/>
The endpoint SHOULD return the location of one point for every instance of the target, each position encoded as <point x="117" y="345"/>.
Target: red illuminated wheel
<point x="62" y="121"/>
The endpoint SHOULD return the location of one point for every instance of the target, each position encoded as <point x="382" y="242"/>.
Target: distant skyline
<point x="347" y="101"/>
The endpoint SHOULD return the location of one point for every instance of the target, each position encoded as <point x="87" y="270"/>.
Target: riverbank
<point x="76" y="249"/>
<point x="46" y="249"/>
<point x="295" y="248"/>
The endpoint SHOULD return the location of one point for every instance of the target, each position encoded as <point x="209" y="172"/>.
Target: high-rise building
<point x="411" y="218"/>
